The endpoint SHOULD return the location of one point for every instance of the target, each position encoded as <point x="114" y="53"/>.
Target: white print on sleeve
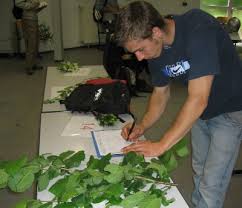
<point x="176" y="69"/>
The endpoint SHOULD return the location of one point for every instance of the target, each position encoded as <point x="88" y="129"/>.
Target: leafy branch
<point x="82" y="184"/>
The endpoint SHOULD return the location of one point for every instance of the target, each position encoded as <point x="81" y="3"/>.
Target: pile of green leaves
<point x="67" y="66"/>
<point x="98" y="180"/>
<point x="106" y="119"/>
<point x="44" y="32"/>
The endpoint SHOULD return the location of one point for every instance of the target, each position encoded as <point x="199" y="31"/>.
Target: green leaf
<point x="82" y="201"/>
<point x="72" y="183"/>
<point x="66" y="205"/>
<point x="75" y="160"/>
<point x="181" y="148"/>
<point x="58" y="163"/>
<point x="66" y="154"/>
<point x="133" y="200"/>
<point x="114" y="190"/>
<point x="150" y="201"/>
<point x="22" y="204"/>
<point x="40" y="161"/>
<point x="172" y="163"/>
<point x="116" y="173"/>
<point x="43" y="181"/>
<point x="58" y="187"/>
<point x="161" y="169"/>
<point x="21" y="181"/>
<point x="99" y="164"/>
<point x="133" y="159"/>
<point x="12" y="167"/>
<point x="3" y="178"/>
<point x="46" y="205"/>
<point x="34" y="204"/>
<point x="32" y="168"/>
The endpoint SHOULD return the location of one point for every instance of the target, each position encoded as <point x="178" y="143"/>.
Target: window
<point x="225" y="8"/>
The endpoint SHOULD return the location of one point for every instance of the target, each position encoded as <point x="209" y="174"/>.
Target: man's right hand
<point x="137" y="131"/>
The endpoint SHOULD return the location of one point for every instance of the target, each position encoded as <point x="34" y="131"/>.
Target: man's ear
<point x="156" y="33"/>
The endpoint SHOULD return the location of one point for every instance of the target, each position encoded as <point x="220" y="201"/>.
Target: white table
<point x="51" y="141"/>
<point x="56" y="80"/>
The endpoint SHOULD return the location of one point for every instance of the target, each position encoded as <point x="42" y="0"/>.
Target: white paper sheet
<point x="83" y="71"/>
<point x="81" y="124"/>
<point x="109" y="141"/>
<point x="54" y="91"/>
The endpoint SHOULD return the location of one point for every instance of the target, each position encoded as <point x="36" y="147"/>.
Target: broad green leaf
<point x="58" y="187"/>
<point x="51" y="158"/>
<point x="3" y="178"/>
<point x="46" y="205"/>
<point x="99" y="164"/>
<point x="115" y="190"/>
<point x="58" y="163"/>
<point x="66" y="154"/>
<point x="182" y="151"/>
<point x="133" y="200"/>
<point x="134" y="185"/>
<point x="82" y="201"/>
<point x="53" y="172"/>
<point x="171" y="164"/>
<point x="41" y="161"/>
<point x="96" y="177"/>
<point x="75" y="160"/>
<point x="21" y="181"/>
<point x="133" y="159"/>
<point x="22" y="204"/>
<point x="3" y="164"/>
<point x="43" y="181"/>
<point x="34" y="204"/>
<point x="70" y="187"/>
<point x="150" y="201"/>
<point x="66" y="205"/>
<point x="12" y="167"/>
<point x="116" y="173"/>
<point x="161" y="169"/>
<point x="181" y="148"/>
<point x="32" y="168"/>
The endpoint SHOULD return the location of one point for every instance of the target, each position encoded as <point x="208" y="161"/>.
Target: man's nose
<point x="139" y="56"/>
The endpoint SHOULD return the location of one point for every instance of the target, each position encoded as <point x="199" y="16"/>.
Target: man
<point x="31" y="31"/>
<point x="195" y="49"/>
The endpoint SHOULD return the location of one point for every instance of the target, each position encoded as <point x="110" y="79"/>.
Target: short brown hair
<point x="136" y="21"/>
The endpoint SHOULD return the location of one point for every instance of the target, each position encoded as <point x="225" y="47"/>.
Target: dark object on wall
<point x="233" y="25"/>
<point x="17" y="11"/>
<point x="102" y="98"/>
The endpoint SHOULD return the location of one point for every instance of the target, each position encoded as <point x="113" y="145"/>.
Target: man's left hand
<point x="146" y="148"/>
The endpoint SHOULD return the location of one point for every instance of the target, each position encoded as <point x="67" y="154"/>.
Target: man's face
<point x="145" y="48"/>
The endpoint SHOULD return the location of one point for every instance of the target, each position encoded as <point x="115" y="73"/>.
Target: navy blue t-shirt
<point x="201" y="47"/>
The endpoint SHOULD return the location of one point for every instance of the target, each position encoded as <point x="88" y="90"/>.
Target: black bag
<point x="17" y="12"/>
<point x="102" y="98"/>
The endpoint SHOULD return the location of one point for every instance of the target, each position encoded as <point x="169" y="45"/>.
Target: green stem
<point x="155" y="181"/>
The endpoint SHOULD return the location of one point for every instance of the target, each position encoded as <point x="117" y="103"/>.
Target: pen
<point x="131" y="129"/>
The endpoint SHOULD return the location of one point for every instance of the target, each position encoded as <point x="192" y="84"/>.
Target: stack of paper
<point x="109" y="141"/>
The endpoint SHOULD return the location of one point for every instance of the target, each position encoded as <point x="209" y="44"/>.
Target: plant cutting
<point x="67" y="66"/>
<point x="44" y="33"/>
<point x="133" y="182"/>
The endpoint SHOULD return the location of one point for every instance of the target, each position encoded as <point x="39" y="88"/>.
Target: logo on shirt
<point x="176" y="69"/>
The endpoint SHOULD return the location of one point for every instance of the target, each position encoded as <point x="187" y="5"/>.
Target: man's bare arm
<point x="156" y="106"/>
<point x="195" y="104"/>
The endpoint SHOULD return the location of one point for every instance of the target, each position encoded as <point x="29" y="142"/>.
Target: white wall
<point x="7" y="23"/>
<point x="77" y="21"/>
